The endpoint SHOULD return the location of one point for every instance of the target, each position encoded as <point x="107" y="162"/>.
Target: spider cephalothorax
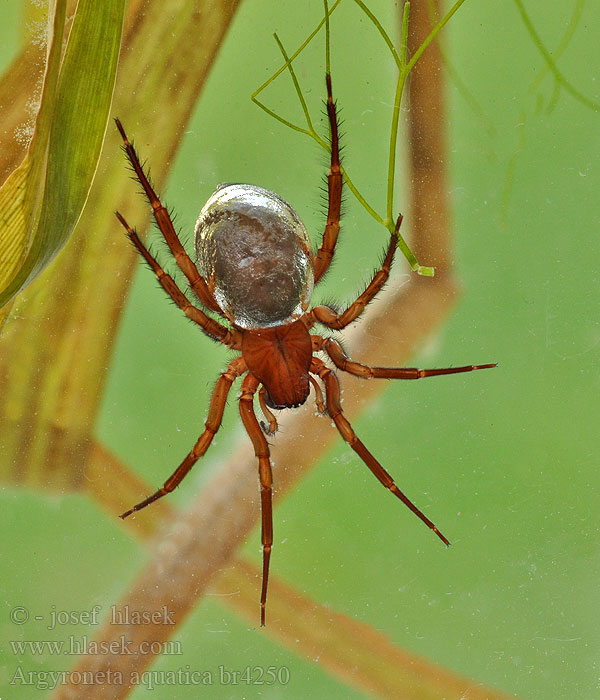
<point x="256" y="270"/>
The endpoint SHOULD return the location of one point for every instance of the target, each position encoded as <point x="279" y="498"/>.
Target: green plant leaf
<point x="45" y="196"/>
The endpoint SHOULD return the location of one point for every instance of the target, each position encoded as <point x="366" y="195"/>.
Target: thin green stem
<point x="295" y="54"/>
<point x="404" y="37"/>
<point x="279" y="118"/>
<point x="296" y="84"/>
<point x="310" y="131"/>
<point x="575" y="17"/>
<point x="352" y="187"/>
<point x="393" y="145"/>
<point x="460" y="85"/>
<point x="348" y="182"/>
<point x="391" y="177"/>
<point x="560" y="78"/>
<point x="434" y="32"/>
<point x="509" y="179"/>
<point x="381" y="30"/>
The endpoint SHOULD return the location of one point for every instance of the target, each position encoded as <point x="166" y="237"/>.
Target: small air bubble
<point x="24" y="133"/>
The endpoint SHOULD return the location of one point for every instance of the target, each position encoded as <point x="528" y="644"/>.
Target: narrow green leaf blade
<point x="79" y="119"/>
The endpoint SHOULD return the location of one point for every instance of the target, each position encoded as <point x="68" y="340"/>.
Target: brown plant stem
<point x="430" y="206"/>
<point x="351" y="651"/>
<point x="55" y="352"/>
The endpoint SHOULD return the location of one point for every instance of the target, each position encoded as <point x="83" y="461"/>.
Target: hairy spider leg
<point x="163" y="220"/>
<point x="215" y="414"/>
<point x="332" y="396"/>
<point x="334" y="191"/>
<point x="212" y="328"/>
<point x="343" y="362"/>
<point x="328" y="317"/>
<point x="261" y="450"/>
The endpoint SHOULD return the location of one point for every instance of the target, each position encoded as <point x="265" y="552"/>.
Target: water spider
<point x="255" y="268"/>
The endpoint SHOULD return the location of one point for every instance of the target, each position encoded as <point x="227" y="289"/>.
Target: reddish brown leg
<point x="183" y="260"/>
<point x="215" y="414"/>
<point x="261" y="450"/>
<point x="328" y="317"/>
<point x="334" y="188"/>
<point x="341" y="360"/>
<point x="211" y="327"/>
<point x="332" y="396"/>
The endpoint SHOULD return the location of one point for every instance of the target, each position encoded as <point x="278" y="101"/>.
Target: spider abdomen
<point x="254" y="250"/>
<point x="280" y="359"/>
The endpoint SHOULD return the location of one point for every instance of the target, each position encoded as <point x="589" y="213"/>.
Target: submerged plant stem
<point x="404" y="68"/>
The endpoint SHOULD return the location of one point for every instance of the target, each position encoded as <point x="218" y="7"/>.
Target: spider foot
<point x="268" y="429"/>
<point x="146" y="502"/>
